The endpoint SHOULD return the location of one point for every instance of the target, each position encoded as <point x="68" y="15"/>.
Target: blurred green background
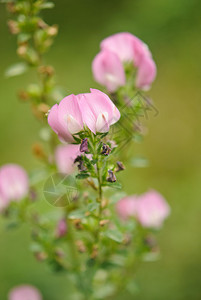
<point x="172" y="29"/>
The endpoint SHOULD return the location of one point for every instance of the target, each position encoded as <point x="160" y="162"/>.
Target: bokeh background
<point x="172" y="29"/>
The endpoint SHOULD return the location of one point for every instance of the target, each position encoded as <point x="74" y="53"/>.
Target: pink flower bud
<point x="61" y="229"/>
<point x="126" y="207"/>
<point x="118" y="49"/>
<point x="65" y="156"/>
<point x="14" y="184"/>
<point x="94" y="110"/>
<point x="24" y="292"/>
<point x="152" y="209"/>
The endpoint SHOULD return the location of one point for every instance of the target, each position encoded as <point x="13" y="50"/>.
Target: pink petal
<point x="65" y="156"/>
<point x="59" y="128"/>
<point x="146" y="73"/>
<point x="108" y="70"/>
<point x="152" y="209"/>
<point x="122" y="44"/>
<point x="69" y="106"/>
<point x="25" y="292"/>
<point x="14" y="183"/>
<point x="126" y="207"/>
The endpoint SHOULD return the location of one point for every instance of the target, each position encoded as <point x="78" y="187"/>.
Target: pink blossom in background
<point x="3" y="202"/>
<point x="108" y="70"/>
<point x="14" y="183"/>
<point x="152" y="209"/>
<point x="65" y="156"/>
<point x="122" y="44"/>
<point x="118" y="49"/>
<point x="126" y="207"/>
<point x="94" y="110"/>
<point x="61" y="229"/>
<point x="24" y="292"/>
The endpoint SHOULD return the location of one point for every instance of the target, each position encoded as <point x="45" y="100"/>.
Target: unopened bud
<point x="77" y="223"/>
<point x="106" y="149"/>
<point x="22" y="50"/>
<point x="38" y="151"/>
<point x="44" y="108"/>
<point x="111" y="177"/>
<point x="120" y="166"/>
<point x="13" y="27"/>
<point x="61" y="229"/>
<point x="103" y="222"/>
<point x="46" y="70"/>
<point x="11" y="7"/>
<point x="84" y="145"/>
<point x="52" y="30"/>
<point x="40" y="256"/>
<point x="80" y="246"/>
<point x="23" y="95"/>
<point x="94" y="252"/>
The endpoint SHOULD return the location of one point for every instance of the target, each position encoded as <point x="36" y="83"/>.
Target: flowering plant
<point x="97" y="233"/>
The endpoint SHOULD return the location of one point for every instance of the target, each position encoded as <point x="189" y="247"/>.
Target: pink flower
<point x="3" y="202"/>
<point x="118" y="49"/>
<point x="126" y="207"/>
<point x="152" y="209"/>
<point x="14" y="183"/>
<point x="65" y="156"/>
<point x="61" y="229"/>
<point x="25" y="292"/>
<point x="108" y="70"/>
<point x="94" y="110"/>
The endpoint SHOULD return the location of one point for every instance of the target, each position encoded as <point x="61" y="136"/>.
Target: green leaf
<point x="82" y="176"/>
<point x="116" y="197"/>
<point x="115" y="185"/>
<point x="115" y="235"/>
<point x="92" y="206"/>
<point x="104" y="291"/>
<point x="139" y="162"/>
<point x="76" y="214"/>
<point x="47" y="5"/>
<point x="16" y="69"/>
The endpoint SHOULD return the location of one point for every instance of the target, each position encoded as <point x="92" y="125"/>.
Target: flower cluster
<point x="88" y="236"/>
<point x="119" y="51"/>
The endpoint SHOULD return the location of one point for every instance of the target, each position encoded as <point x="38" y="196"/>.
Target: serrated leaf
<point x="16" y="69"/>
<point x="115" y="235"/>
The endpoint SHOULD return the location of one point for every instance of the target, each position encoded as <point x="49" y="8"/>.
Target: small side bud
<point x="52" y="30"/>
<point x="111" y="177"/>
<point x="106" y="149"/>
<point x="120" y="166"/>
<point x="80" y="246"/>
<point x="84" y="145"/>
<point x="103" y="222"/>
<point x="80" y="165"/>
<point x="61" y="229"/>
<point x="13" y="27"/>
